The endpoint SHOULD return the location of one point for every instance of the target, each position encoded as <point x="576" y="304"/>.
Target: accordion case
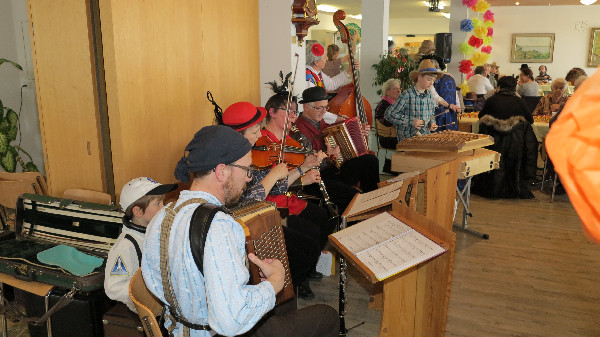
<point x="43" y="222"/>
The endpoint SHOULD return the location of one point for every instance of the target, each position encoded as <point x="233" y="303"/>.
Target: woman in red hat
<point x="307" y="225"/>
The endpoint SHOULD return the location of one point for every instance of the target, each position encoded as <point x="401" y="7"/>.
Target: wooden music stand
<point x="415" y="301"/>
<point x="407" y="195"/>
<point x="466" y="164"/>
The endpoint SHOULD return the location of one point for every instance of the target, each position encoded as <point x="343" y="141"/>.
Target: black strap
<point x="199" y="225"/>
<point x="138" y="251"/>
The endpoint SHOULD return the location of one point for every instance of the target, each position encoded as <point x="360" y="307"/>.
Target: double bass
<point x="349" y="101"/>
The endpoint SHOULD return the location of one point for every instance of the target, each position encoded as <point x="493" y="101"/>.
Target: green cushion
<point x="70" y="259"/>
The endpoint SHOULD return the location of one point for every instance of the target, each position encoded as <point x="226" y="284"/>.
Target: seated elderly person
<point x="527" y="86"/>
<point x="552" y="102"/>
<point x="386" y="131"/>
<point x="543" y="77"/>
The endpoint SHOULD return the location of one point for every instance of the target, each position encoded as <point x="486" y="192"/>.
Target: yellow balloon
<point x="464" y="87"/>
<point x="482" y="6"/>
<point x="480" y="31"/>
<point x="479" y="58"/>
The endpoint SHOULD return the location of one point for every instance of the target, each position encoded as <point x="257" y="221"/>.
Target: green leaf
<point x="12" y="117"/>
<point x="9" y="160"/>
<point x="11" y="62"/>
<point x="4" y="126"/>
<point x="12" y="132"/>
<point x="30" y="167"/>
<point x="4" y="143"/>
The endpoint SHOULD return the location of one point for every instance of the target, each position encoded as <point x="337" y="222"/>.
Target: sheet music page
<point x="371" y="232"/>
<point x="404" y="176"/>
<point x="386" y="245"/>
<point x="379" y="197"/>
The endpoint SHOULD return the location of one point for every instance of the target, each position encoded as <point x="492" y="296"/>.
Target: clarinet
<point x="342" y="292"/>
<point x="331" y="207"/>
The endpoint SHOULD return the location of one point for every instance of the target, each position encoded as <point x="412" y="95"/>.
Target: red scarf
<point x="294" y="204"/>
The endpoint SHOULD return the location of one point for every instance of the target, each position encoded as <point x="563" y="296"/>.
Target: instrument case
<point x="43" y="222"/>
<point x="119" y="321"/>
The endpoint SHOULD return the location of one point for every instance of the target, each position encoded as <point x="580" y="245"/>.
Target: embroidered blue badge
<point x="119" y="268"/>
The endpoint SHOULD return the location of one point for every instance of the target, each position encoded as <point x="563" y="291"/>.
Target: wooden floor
<point x="537" y="275"/>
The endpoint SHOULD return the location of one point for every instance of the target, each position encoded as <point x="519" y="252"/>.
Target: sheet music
<point x="386" y="245"/>
<point x="404" y="176"/>
<point x="379" y="197"/>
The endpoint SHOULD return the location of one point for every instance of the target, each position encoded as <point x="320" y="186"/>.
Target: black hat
<point x="314" y="94"/>
<point x="211" y="146"/>
<point x="524" y="66"/>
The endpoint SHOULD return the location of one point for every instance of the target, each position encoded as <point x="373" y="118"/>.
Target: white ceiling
<point x="418" y="9"/>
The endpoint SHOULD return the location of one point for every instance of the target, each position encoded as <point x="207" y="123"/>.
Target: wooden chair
<point x="88" y="196"/>
<point x="147" y="305"/>
<point x="40" y="180"/>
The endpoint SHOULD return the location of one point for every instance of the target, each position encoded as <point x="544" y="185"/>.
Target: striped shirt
<point x="409" y="106"/>
<point x="221" y="295"/>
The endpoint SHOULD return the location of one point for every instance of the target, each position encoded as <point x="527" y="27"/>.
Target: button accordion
<point x="349" y="137"/>
<point x="264" y="238"/>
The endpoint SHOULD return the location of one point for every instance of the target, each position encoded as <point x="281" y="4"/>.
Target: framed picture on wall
<point x="532" y="48"/>
<point x="594" y="58"/>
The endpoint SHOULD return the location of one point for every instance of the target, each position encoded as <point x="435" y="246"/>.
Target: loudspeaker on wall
<point x="443" y="46"/>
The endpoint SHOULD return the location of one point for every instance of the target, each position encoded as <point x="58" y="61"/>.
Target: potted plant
<point x="10" y="154"/>
<point x="394" y="65"/>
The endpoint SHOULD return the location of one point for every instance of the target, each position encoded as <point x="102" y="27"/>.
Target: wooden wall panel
<point x="160" y="59"/>
<point x="66" y="94"/>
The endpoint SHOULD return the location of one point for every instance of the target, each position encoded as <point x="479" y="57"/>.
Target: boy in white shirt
<point x="141" y="199"/>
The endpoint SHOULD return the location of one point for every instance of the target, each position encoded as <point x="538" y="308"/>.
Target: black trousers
<point x="314" y="222"/>
<point x="303" y="253"/>
<point x="362" y="171"/>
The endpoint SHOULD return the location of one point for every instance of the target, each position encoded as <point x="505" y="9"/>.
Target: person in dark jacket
<point x="505" y="103"/>
<point x="507" y="119"/>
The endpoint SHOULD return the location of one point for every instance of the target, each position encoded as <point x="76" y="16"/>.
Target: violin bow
<point x="287" y="110"/>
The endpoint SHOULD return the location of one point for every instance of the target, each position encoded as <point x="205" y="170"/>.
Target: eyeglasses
<point x="319" y="108"/>
<point x="248" y="170"/>
<point x="291" y="112"/>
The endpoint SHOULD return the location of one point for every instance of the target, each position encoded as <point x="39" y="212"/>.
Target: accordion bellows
<point x="348" y="136"/>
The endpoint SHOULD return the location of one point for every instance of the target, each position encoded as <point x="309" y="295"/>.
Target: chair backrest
<point x="87" y="195"/>
<point x="147" y="305"/>
<point x="532" y="102"/>
<point x="40" y="188"/>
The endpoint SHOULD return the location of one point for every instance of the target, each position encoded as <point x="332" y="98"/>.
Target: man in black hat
<point x="361" y="171"/>
<point x="214" y="296"/>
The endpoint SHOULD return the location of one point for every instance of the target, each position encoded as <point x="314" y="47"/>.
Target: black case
<point x="43" y="222"/>
<point x="119" y="321"/>
<point x="80" y="318"/>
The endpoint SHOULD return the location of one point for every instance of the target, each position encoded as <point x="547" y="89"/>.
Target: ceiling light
<point x="587" y="2"/>
<point x="446" y="15"/>
<point x="327" y="8"/>
<point x="357" y="17"/>
<point x="440" y="5"/>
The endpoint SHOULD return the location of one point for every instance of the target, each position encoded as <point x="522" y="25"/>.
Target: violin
<point x="349" y="100"/>
<point x="265" y="153"/>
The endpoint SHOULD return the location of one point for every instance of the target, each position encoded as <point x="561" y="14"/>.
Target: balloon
<point x="573" y="144"/>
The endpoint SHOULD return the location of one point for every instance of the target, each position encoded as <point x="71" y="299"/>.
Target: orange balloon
<point x="573" y="144"/>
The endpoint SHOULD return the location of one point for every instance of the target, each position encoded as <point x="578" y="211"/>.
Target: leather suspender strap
<point x="165" y="270"/>
<point x="201" y="220"/>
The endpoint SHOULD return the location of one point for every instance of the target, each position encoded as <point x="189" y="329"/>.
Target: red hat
<point x="242" y="115"/>
<point x="317" y="49"/>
